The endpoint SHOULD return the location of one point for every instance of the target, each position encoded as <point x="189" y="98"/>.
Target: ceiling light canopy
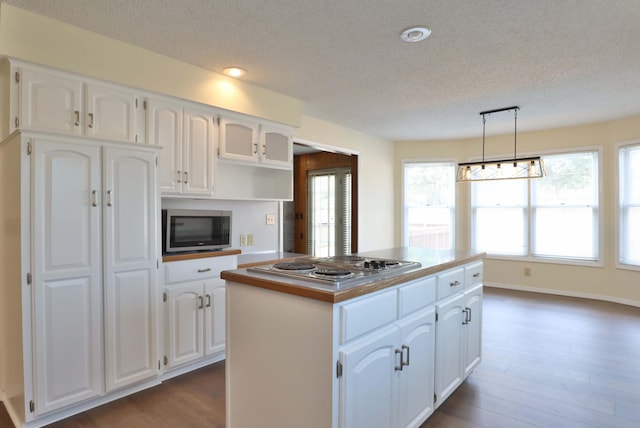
<point x="415" y="34"/>
<point x="531" y="167"/>
<point x="234" y="71"/>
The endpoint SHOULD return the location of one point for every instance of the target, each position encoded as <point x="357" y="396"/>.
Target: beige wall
<point x="375" y="170"/>
<point x="607" y="282"/>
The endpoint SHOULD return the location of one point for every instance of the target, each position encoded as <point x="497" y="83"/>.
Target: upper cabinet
<point x="276" y="146"/>
<point x="57" y="102"/>
<point x="238" y="140"/>
<point x="251" y="142"/>
<point x="187" y="137"/>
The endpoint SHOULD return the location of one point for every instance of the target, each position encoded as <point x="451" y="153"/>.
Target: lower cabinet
<point x="388" y="377"/>
<point x="194" y="310"/>
<point x="195" y="321"/>
<point x="458" y="340"/>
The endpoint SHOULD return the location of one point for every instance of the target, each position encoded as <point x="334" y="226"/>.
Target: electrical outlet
<point x="527" y="271"/>
<point x="250" y="240"/>
<point x="271" y="219"/>
<point x="243" y="240"/>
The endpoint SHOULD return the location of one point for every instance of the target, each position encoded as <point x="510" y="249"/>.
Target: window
<point x="552" y="217"/>
<point x="429" y="204"/>
<point x="629" y="197"/>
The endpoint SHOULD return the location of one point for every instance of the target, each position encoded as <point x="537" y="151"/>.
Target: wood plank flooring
<point x="548" y="361"/>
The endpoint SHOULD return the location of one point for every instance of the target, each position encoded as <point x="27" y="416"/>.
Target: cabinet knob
<point x="200" y="302"/>
<point x="399" y="352"/>
<point x="90" y="120"/>
<point x="109" y="192"/>
<point x="208" y="300"/>
<point x="179" y="174"/>
<point x="77" y="114"/>
<point x="455" y="283"/>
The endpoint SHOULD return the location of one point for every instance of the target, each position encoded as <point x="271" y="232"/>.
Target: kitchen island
<point x="366" y="355"/>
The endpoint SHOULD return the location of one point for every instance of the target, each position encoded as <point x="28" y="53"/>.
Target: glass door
<point x="329" y="196"/>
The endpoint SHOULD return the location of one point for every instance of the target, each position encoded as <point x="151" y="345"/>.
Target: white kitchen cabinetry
<point x="67" y="287"/>
<point x="395" y="368"/>
<point x="250" y="142"/>
<point x="85" y="236"/>
<point x="459" y="328"/>
<point x="257" y="158"/>
<point x="195" y="310"/>
<point x="51" y="101"/>
<point x="130" y="265"/>
<point x="186" y="135"/>
<point x="276" y="146"/>
<point x="238" y="140"/>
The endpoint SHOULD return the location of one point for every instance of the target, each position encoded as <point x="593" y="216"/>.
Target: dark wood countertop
<point x="198" y="255"/>
<point x="432" y="263"/>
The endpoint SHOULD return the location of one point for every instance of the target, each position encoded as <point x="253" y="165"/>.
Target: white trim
<point x="325" y="147"/>
<point x="599" y="297"/>
<point x="187" y="368"/>
<point x="617" y="214"/>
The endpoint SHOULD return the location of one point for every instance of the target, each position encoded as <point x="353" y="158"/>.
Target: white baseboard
<point x="627" y="302"/>
<point x="191" y="367"/>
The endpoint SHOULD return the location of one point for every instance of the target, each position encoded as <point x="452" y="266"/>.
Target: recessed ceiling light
<point x="234" y="71"/>
<point x="415" y="34"/>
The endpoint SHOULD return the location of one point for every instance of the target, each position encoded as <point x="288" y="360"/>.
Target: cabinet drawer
<point x="416" y="295"/>
<point x="472" y="274"/>
<point x="367" y="314"/>
<point x="450" y="282"/>
<point x="189" y="270"/>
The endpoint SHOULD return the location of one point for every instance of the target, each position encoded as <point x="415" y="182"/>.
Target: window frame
<point x="404" y="228"/>
<point x="529" y="257"/>
<point x="618" y="205"/>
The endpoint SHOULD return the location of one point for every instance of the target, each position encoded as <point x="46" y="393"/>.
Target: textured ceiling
<point x="564" y="62"/>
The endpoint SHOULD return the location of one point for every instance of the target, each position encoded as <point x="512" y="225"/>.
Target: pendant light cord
<point x="515" y="132"/>
<point x="484" y="124"/>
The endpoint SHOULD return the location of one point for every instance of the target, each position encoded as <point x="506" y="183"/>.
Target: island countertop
<point x="432" y="261"/>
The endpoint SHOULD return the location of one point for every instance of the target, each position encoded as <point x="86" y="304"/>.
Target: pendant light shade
<point x="506" y="169"/>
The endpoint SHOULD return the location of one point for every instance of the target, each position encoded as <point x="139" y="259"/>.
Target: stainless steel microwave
<point x="195" y="230"/>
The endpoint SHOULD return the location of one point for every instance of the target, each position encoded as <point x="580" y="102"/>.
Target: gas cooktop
<point x="337" y="270"/>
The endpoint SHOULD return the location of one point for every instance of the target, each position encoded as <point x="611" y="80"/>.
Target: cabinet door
<point x="111" y="113"/>
<point x="197" y="153"/>
<point x="49" y="102"/>
<point x="368" y="386"/>
<point x="67" y="288"/>
<point x="417" y="376"/>
<point x="214" y="316"/>
<point x="276" y="147"/>
<point x="449" y="347"/>
<point x="472" y="329"/>
<point x="184" y="319"/>
<point x="165" y="130"/>
<point x="238" y="140"/>
<point x="130" y="222"/>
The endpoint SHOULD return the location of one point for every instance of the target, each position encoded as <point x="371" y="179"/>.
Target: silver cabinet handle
<point x="90" y="120"/>
<point x="186" y="177"/>
<point x="467" y="316"/>
<point x="455" y="283"/>
<point x="109" y="204"/>
<point x="255" y="147"/>
<point x="179" y="176"/>
<point x="208" y="300"/>
<point x="477" y="274"/>
<point x="200" y="302"/>
<point x="77" y="114"/>
<point x="399" y="352"/>
<point x="469" y="313"/>
<point x="408" y="355"/>
<point x="204" y="270"/>
<point x="94" y="198"/>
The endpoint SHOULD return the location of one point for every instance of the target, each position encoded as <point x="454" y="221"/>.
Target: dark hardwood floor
<point x="548" y="361"/>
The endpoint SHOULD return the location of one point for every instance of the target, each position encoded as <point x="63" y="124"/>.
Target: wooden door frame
<point x="304" y="163"/>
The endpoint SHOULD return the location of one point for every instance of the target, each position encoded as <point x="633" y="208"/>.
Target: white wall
<point x="607" y="282"/>
<point x="248" y="218"/>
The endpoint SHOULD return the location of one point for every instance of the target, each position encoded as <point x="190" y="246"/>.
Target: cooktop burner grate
<point x="333" y="273"/>
<point x="294" y="266"/>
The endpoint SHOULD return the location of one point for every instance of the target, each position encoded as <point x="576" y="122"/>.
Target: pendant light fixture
<point x="531" y="167"/>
